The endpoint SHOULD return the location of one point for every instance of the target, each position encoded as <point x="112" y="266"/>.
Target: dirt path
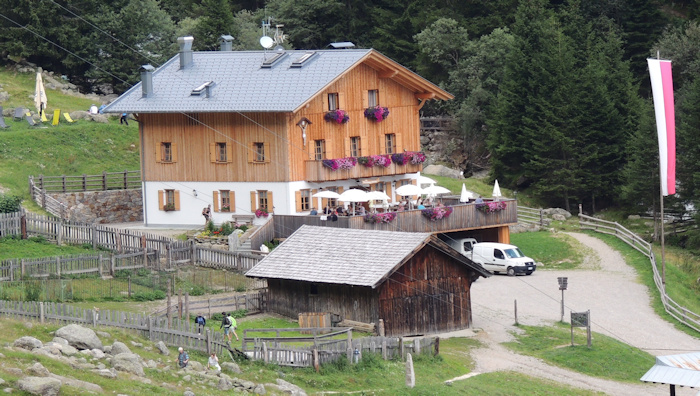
<point x="620" y="308"/>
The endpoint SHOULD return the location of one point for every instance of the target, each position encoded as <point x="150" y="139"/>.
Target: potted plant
<point x="339" y="116"/>
<point x="226" y="207"/>
<point x="261" y="212"/>
<point x="490" y="207"/>
<point x="437" y="213"/>
<point x="169" y="207"/>
<point x="376" y="113"/>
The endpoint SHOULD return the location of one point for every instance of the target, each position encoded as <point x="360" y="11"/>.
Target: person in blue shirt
<point x="124" y="119"/>
<point x="183" y="358"/>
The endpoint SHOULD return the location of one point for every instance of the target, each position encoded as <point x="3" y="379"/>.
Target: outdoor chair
<point x="56" y="117"/>
<point x="43" y="117"/>
<point x="30" y="121"/>
<point x="19" y="114"/>
<point x="67" y="117"/>
<point x="2" y="121"/>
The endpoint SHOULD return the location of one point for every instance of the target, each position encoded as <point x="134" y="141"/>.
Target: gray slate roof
<point x="342" y="256"/>
<point x="241" y="84"/>
<point x="682" y="370"/>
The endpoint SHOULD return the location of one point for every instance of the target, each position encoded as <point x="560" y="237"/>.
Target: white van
<point x="463" y="245"/>
<point x="502" y="258"/>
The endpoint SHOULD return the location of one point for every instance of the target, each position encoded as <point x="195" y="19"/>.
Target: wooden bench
<point x="242" y="218"/>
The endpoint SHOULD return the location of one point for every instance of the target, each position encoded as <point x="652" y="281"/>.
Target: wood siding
<point x="193" y="140"/>
<point x="428" y="294"/>
<point x="403" y="120"/>
<point x="315" y="171"/>
<point x="289" y="298"/>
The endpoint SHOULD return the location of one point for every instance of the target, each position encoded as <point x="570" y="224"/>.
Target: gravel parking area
<point x="620" y="308"/>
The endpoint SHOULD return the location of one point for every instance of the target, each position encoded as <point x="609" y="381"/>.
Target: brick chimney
<point x="147" y="80"/>
<point x="226" y="42"/>
<point x="185" y="44"/>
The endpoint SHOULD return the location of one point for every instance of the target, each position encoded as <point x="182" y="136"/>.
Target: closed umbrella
<point x="466" y="195"/>
<point x="40" y="95"/>
<point x="496" y="190"/>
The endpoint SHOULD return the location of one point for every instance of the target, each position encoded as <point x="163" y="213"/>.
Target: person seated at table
<point x="313" y="212"/>
<point x="333" y="216"/>
<point x="420" y="204"/>
<point x="327" y="210"/>
<point x="361" y="210"/>
<point x="440" y="205"/>
<point x="401" y="207"/>
<point x="479" y="200"/>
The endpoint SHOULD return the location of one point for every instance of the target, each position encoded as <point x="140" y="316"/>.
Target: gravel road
<point x="620" y="308"/>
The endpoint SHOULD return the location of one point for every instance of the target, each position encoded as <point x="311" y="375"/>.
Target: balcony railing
<point x="316" y="172"/>
<point x="463" y="217"/>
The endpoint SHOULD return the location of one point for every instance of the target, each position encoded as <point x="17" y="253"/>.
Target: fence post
<point x="31" y="186"/>
<point x="349" y="350"/>
<point x="402" y="348"/>
<point x="94" y="235"/>
<point x="193" y="253"/>
<point x="129" y="286"/>
<point x="541" y="218"/>
<point x="170" y="318"/>
<point x="266" y="359"/>
<point x="22" y="267"/>
<point x="84" y="182"/>
<point x="43" y="198"/>
<point x="58" y="266"/>
<point x="384" y="354"/>
<point x="104" y="180"/>
<point x="187" y="306"/>
<point x="145" y="257"/>
<point x="208" y="341"/>
<point x="315" y="360"/>
<point x="437" y="346"/>
<point x="179" y="304"/>
<point x="41" y="312"/>
<point x="23" y="225"/>
<point x="126" y="184"/>
<point x="59" y="233"/>
<point x="380" y="328"/>
<point x="113" y="263"/>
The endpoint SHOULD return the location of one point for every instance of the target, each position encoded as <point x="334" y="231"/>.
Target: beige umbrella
<point x="40" y="95"/>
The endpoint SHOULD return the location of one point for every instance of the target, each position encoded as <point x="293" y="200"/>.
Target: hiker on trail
<point x="200" y="322"/>
<point x="183" y="358"/>
<point x="226" y="325"/>
<point x="234" y="326"/>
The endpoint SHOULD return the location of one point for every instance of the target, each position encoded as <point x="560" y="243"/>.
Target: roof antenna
<point x="266" y="41"/>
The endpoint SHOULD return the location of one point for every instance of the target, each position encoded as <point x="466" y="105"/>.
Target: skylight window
<point x="267" y="63"/>
<point x="304" y="59"/>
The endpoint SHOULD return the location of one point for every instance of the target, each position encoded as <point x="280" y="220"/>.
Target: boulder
<point x="259" y="389"/>
<point x="119" y="347"/>
<point x="442" y="170"/>
<point x="43" y="386"/>
<point x="79" y="337"/>
<point x="290" y="388"/>
<point x="230" y="366"/>
<point x="224" y="384"/>
<point x="558" y="217"/>
<point x="107" y="373"/>
<point x="28" y="343"/>
<point x="98" y="354"/>
<point x="68" y="350"/>
<point x="163" y="348"/>
<point x="38" y="370"/>
<point x="60" y="341"/>
<point x="553" y="211"/>
<point x="128" y="362"/>
<point x="188" y="393"/>
<point x="195" y="366"/>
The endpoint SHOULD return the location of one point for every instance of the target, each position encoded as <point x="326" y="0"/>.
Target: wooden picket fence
<point x="327" y="345"/>
<point x="179" y="333"/>
<point x="127" y="180"/>
<point x="682" y="314"/>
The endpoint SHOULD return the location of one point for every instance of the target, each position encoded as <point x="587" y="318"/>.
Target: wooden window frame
<point x="256" y="156"/>
<point x="302" y="200"/>
<point x="333" y="101"/>
<point x="263" y="201"/>
<point x="319" y="149"/>
<point x="372" y="97"/>
<point x="168" y="198"/>
<point x="221" y="152"/>
<point x="390" y="143"/>
<point x="161" y="153"/>
<point x="355" y="146"/>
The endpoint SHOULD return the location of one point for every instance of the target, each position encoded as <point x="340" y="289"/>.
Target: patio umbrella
<point x="40" y="95"/>
<point x="354" y="195"/>
<point x="425" y="180"/>
<point x="496" y="190"/>
<point x="326" y="194"/>
<point x="378" y="195"/>
<point x="409" y="189"/>
<point x="466" y="195"/>
<point x="435" y="190"/>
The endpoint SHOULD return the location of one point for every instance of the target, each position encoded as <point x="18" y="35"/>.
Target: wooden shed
<point x="415" y="282"/>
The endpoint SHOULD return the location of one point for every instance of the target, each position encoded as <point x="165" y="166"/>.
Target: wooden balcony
<point x="316" y="172"/>
<point x="464" y="217"/>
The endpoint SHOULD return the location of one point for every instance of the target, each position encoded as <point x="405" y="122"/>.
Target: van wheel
<point x="511" y="271"/>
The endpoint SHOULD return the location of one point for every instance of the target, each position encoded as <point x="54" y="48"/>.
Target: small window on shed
<point x="313" y="289"/>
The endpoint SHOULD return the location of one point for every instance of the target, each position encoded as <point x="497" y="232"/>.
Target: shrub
<point x="10" y="203"/>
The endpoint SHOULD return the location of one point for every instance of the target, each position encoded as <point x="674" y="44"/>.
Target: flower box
<point x="340" y="163"/>
<point x="490" y="207"/>
<point x="387" y="217"/>
<point x="437" y="213"/>
<point x="169" y="207"/>
<point x="261" y="212"/>
<point x="376" y="113"/>
<point x="339" y="116"/>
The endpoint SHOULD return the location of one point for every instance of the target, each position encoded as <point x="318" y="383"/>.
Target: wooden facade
<point x="428" y="293"/>
<point x="193" y="137"/>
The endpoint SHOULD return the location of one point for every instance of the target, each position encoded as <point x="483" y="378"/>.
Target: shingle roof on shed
<point x="345" y="256"/>
<point x="682" y="370"/>
<point x="242" y="85"/>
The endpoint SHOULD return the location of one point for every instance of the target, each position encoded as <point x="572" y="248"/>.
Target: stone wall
<point x="115" y="206"/>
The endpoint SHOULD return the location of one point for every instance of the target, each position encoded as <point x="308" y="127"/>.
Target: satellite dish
<point x="266" y="42"/>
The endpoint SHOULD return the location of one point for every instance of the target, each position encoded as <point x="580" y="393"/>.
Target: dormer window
<point x="204" y="88"/>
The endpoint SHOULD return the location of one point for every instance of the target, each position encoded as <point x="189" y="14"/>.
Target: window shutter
<point x="341" y="101"/>
<point x="324" y="203"/>
<point x="312" y="200"/>
<point x="270" y="206"/>
<point x="325" y="102"/>
<point x="382" y="144"/>
<point x="212" y="152"/>
<point x="297" y="200"/>
<point x="414" y="182"/>
<point x="216" y="201"/>
<point x="399" y="142"/>
<point x="159" y="153"/>
<point x="365" y="99"/>
<point x="387" y="189"/>
<point x="173" y="151"/>
<point x="347" y="144"/>
<point x="253" y="202"/>
<point x="267" y="151"/>
<point x="229" y="152"/>
<point x="251" y="152"/>
<point x="340" y="190"/>
<point x="330" y="153"/>
<point x="232" y="199"/>
<point x="176" y="193"/>
<point x="160" y="199"/>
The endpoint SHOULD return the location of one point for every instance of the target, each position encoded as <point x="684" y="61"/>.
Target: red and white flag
<point x="662" y="89"/>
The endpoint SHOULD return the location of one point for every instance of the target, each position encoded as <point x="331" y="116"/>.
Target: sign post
<point x="563" y="282"/>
